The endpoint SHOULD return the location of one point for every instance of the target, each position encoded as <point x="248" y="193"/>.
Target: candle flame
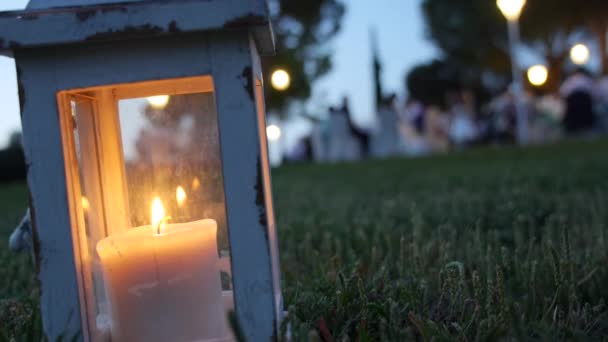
<point x="180" y="195"/>
<point x="158" y="213"/>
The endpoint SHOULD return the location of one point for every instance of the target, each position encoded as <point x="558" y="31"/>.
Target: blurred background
<point x="356" y="79"/>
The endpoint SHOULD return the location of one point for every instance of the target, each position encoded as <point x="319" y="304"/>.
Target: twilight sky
<point x="400" y="31"/>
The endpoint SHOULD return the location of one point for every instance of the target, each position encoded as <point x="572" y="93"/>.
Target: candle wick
<point x="161" y="224"/>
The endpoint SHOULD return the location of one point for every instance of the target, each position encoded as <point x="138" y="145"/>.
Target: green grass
<point x="18" y="287"/>
<point x="474" y="246"/>
<point x="482" y="245"/>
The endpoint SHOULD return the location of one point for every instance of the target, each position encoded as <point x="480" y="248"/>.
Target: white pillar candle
<point x="164" y="287"/>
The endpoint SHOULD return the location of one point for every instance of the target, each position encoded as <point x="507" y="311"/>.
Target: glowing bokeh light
<point x="511" y="9"/>
<point x="158" y="102"/>
<point x="196" y="183"/>
<point x="579" y="54"/>
<point x="84" y="202"/>
<point x="538" y="75"/>
<point x="180" y="196"/>
<point x="273" y="132"/>
<point x="280" y="80"/>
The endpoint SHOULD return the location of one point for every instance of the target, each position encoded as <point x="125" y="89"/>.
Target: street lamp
<point x="511" y="10"/>
<point x="538" y="75"/>
<point x="579" y="54"/>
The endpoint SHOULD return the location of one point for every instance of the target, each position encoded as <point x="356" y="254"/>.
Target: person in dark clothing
<point x="577" y="91"/>
<point x="579" y="112"/>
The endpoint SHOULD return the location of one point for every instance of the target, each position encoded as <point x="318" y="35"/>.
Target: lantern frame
<point x="51" y="58"/>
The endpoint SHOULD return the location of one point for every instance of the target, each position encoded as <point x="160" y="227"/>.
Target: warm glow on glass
<point x="147" y="232"/>
<point x="538" y="75"/>
<point x="85" y="203"/>
<point x="511" y="9"/>
<point x="280" y="80"/>
<point x="158" y="102"/>
<point x="579" y="54"/>
<point x="273" y="132"/>
<point x="180" y="196"/>
<point x="158" y="213"/>
<point x="196" y="183"/>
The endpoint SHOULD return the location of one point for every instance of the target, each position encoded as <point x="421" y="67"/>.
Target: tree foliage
<point x="432" y="83"/>
<point x="12" y="160"/>
<point x="429" y="83"/>
<point x="473" y="33"/>
<point x="548" y="25"/>
<point x="302" y="30"/>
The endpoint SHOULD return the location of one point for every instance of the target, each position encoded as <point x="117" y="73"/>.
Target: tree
<point x="12" y="160"/>
<point x="470" y="33"/>
<point x="598" y="24"/>
<point x="473" y="33"/>
<point x="433" y="83"/>
<point x="548" y="25"/>
<point x="596" y="18"/>
<point x="302" y="30"/>
<point x="430" y="83"/>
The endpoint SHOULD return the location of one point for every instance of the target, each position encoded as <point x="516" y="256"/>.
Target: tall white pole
<point x="517" y="87"/>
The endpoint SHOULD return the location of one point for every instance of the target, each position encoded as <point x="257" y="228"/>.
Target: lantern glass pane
<point x="149" y="210"/>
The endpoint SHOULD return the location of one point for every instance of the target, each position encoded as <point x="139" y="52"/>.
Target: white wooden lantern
<point x="144" y="133"/>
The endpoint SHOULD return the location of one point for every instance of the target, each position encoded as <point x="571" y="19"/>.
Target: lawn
<point x="479" y="245"/>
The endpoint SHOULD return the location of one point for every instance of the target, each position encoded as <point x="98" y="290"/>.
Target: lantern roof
<point x="45" y="4"/>
<point x="58" y="22"/>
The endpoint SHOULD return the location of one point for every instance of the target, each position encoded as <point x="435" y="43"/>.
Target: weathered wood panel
<point x="246" y="208"/>
<point x="39" y="4"/>
<point x="51" y="221"/>
<point x="33" y="28"/>
<point x="267" y="180"/>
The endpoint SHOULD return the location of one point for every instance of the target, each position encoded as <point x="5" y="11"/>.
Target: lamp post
<point x="511" y="10"/>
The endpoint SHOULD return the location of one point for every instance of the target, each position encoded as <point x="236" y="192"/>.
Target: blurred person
<point x="302" y="151"/>
<point x="549" y="112"/>
<point x="601" y="105"/>
<point x="411" y="127"/>
<point x="483" y="123"/>
<point x="320" y="139"/>
<point x="462" y="130"/>
<point x="579" y="80"/>
<point x="341" y="142"/>
<point x="578" y="90"/>
<point x="386" y="140"/>
<point x="413" y="114"/>
<point x="503" y="118"/>
<point x="436" y="129"/>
